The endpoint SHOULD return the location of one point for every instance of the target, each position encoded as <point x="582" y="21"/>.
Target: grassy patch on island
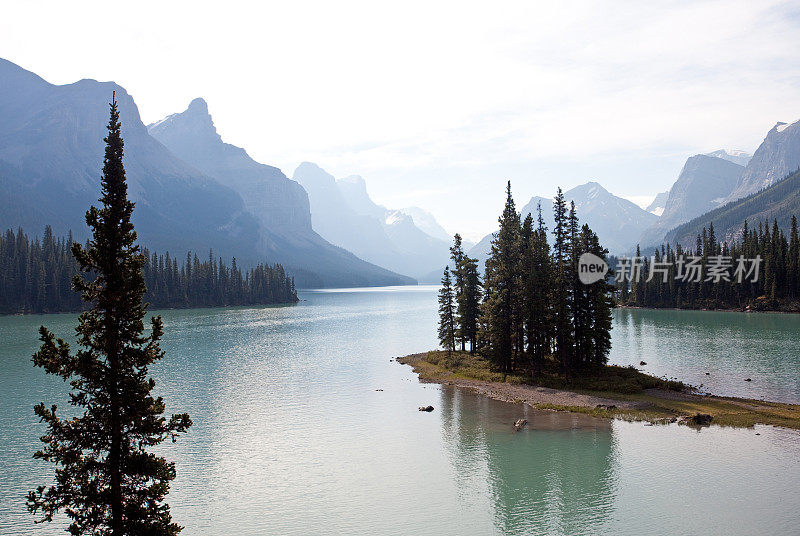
<point x="644" y="397"/>
<point x="610" y="379"/>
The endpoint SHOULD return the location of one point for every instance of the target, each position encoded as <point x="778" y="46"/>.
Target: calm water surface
<point x="292" y="435"/>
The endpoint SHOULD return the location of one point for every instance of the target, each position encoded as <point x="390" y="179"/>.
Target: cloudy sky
<point x="437" y="104"/>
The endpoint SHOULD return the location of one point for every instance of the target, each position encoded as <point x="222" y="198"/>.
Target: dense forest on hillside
<point x="36" y="277"/>
<point x="778" y="202"/>
<point x="531" y="312"/>
<point x="727" y="277"/>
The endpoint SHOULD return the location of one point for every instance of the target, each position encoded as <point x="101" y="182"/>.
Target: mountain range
<point x="703" y="184"/>
<point x="212" y="197"/>
<point x="195" y="192"/>
<point x="658" y="204"/>
<point x="344" y="214"/>
<point x="615" y="220"/>
<point x="779" y="202"/>
<point x="776" y="157"/>
<point x="729" y="187"/>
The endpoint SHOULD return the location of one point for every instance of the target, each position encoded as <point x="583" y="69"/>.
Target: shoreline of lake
<point x="724" y="310"/>
<point x="655" y="406"/>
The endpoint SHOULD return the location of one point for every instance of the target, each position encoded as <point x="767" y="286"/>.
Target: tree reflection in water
<point x="555" y="476"/>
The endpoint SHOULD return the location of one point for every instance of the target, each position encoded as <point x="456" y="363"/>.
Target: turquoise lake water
<point x="292" y="436"/>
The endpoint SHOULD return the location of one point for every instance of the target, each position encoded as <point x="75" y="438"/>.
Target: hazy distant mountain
<point x="779" y="201"/>
<point x="343" y="213"/>
<point x="424" y="251"/>
<point x="51" y="155"/>
<point x="776" y="157"/>
<point x="616" y="221"/>
<point x="658" y="204"/>
<point x="427" y="223"/>
<point x="735" y="156"/>
<point x="703" y="184"/>
<point x="279" y="204"/>
<point x="354" y="192"/>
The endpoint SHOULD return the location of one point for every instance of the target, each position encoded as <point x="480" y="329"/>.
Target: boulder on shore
<point x="701" y="419"/>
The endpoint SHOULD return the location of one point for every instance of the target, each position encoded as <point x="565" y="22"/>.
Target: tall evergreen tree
<point x="108" y="481"/>
<point x="562" y="283"/>
<point x="447" y="321"/>
<point x="538" y="297"/>
<point x="792" y="260"/>
<point x="457" y="256"/>
<point x="502" y="282"/>
<point x="467" y="293"/>
<point x="470" y="312"/>
<point x="599" y="302"/>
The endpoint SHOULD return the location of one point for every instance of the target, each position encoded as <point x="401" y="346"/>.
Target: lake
<point x="304" y="425"/>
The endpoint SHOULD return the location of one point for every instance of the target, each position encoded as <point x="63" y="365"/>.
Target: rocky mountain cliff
<point x="280" y="204"/>
<point x="737" y="157"/>
<point x="703" y="184"/>
<point x="658" y="204"/>
<point x="778" y="202"/>
<point x="776" y="157"/>
<point x="51" y="153"/>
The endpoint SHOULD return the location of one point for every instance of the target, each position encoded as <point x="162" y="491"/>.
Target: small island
<point x="536" y="329"/>
<point x="612" y="392"/>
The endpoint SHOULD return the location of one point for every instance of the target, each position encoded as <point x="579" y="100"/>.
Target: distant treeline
<point x="776" y="285"/>
<point x="36" y="277"/>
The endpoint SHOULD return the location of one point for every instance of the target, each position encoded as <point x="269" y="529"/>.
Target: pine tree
<point x="470" y="307"/>
<point x="502" y="282"/>
<point x="599" y="303"/>
<point x="447" y="327"/>
<point x="562" y="282"/>
<point x="108" y="482"/>
<point x="457" y="256"/>
<point x="793" y="256"/>
<point x="540" y="311"/>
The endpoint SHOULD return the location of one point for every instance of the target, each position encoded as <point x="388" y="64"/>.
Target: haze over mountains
<point x="658" y="204"/>
<point x="343" y="213"/>
<point x="615" y="220"/>
<point x="51" y="153"/>
<point x="703" y="184"/>
<point x="279" y="204"/>
<point x="778" y="202"/>
<point x="728" y="185"/>
<point x="195" y="192"/>
<point x="776" y="157"/>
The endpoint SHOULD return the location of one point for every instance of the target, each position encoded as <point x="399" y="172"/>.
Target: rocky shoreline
<point x="651" y="405"/>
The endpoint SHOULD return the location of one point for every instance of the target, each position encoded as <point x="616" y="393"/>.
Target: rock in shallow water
<point x="700" y="419"/>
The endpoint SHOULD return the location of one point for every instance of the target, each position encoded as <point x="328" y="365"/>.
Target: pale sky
<point x="437" y="104"/>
